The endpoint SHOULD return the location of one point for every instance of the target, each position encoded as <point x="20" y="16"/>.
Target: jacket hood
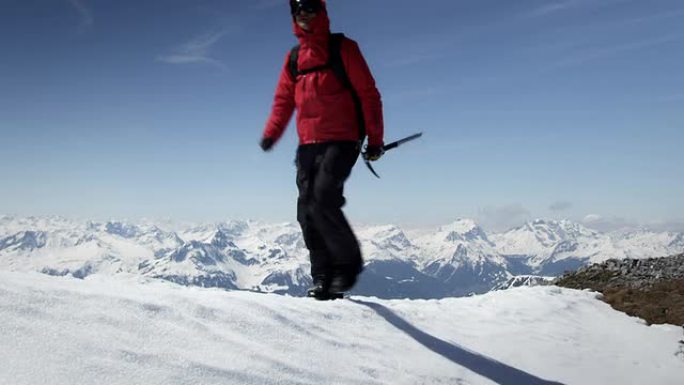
<point x="319" y="26"/>
<point x="313" y="43"/>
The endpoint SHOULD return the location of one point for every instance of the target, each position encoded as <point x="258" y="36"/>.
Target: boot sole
<point x="326" y="296"/>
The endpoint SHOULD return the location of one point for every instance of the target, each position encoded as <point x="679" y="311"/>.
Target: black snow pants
<point x="322" y="169"/>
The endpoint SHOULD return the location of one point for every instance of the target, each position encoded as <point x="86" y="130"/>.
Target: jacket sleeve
<point x="283" y="105"/>
<point x="362" y="80"/>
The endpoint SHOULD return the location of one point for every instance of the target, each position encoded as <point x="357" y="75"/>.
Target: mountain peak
<point x="25" y="240"/>
<point x="460" y="226"/>
<point x="221" y="240"/>
<point x="393" y="235"/>
<point x="463" y="229"/>
<point x="122" y="229"/>
<point x="554" y="230"/>
<point x="233" y="227"/>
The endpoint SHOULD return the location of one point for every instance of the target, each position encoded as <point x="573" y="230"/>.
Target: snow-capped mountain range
<point x="456" y="259"/>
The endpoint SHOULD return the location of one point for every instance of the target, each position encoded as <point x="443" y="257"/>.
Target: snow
<point x="252" y="255"/>
<point x="460" y="225"/>
<point x="456" y="243"/>
<point x="636" y="244"/>
<point x="384" y="243"/>
<point x="133" y="330"/>
<point x="542" y="241"/>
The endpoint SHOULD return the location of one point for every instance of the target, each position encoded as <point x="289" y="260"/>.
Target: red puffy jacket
<point x="325" y="107"/>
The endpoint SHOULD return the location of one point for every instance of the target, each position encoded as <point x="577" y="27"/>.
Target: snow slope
<point x="135" y="330"/>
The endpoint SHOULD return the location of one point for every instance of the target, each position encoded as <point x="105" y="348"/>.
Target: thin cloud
<point x="503" y="218"/>
<point x="654" y="17"/>
<point x="600" y="223"/>
<point x="589" y="55"/>
<point x="84" y="12"/>
<point x="551" y="8"/>
<point x="668" y="225"/>
<point x="548" y="9"/>
<point x="607" y="224"/>
<point x="560" y="206"/>
<point x="195" y="51"/>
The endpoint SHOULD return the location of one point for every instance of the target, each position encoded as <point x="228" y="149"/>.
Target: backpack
<point x="337" y="66"/>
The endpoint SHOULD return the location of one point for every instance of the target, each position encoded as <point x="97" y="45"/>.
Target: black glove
<point x="266" y="144"/>
<point x="373" y="153"/>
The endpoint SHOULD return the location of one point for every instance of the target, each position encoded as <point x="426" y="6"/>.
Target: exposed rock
<point x="652" y="289"/>
<point x="634" y="273"/>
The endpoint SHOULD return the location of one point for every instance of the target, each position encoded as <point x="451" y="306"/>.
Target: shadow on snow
<point x="494" y="370"/>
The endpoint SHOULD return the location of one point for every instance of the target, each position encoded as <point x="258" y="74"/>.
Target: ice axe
<point x="390" y="146"/>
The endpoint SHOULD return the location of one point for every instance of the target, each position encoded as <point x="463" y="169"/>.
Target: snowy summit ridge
<point x="137" y="331"/>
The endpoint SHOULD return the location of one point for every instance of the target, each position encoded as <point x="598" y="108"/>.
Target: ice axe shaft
<point x="393" y="145"/>
<point x="399" y="142"/>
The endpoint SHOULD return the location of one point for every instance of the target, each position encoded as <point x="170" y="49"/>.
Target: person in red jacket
<point x="330" y="134"/>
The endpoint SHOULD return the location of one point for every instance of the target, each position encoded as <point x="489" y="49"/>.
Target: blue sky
<point x="555" y="108"/>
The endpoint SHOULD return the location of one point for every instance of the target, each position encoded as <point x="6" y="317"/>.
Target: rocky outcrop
<point x="652" y="289"/>
<point x="633" y="273"/>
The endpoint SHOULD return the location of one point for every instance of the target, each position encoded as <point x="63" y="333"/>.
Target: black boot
<point x="320" y="288"/>
<point x="343" y="280"/>
<point x="341" y="284"/>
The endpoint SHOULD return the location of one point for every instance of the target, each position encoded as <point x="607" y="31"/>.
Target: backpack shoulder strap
<point x="292" y="63"/>
<point x="335" y="59"/>
<point x="294" y="66"/>
<point x="337" y="66"/>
